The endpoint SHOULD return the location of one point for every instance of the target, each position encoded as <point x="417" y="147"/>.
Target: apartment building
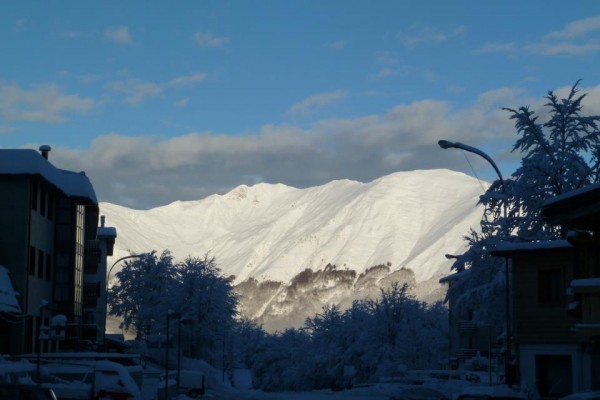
<point x="48" y="243"/>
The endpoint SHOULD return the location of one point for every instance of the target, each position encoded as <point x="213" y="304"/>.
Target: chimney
<point x="45" y="149"/>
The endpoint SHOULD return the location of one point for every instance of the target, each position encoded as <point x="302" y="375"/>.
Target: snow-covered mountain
<point x="268" y="235"/>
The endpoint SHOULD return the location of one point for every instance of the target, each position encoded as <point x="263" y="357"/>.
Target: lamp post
<point x="445" y="144"/>
<point x="43" y="305"/>
<point x="182" y="320"/>
<point x="170" y="315"/>
<point x="106" y="291"/>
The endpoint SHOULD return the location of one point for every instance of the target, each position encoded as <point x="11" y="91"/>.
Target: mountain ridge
<point x="271" y="234"/>
<point x="253" y="231"/>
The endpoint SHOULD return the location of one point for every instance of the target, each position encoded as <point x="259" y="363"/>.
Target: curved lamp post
<point x="108" y="279"/>
<point x="43" y="305"/>
<point x="445" y="144"/>
<point x="170" y="315"/>
<point x="182" y="320"/>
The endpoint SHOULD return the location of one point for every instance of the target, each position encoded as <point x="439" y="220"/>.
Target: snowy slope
<point x="410" y="219"/>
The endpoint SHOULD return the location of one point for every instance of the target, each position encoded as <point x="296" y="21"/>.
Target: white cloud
<point x="118" y="34"/>
<point x="187" y="80"/>
<point x="6" y="129"/>
<point x="577" y="29"/>
<point x="576" y="38"/>
<point x="313" y="103"/>
<point x="388" y="58"/>
<point x="417" y="36"/>
<point x="40" y="103"/>
<point x="70" y="34"/>
<point x="145" y="171"/>
<point x="206" y="39"/>
<point x="556" y="49"/>
<point x="136" y="91"/>
<point x="455" y="89"/>
<point x="339" y="44"/>
<point x="496" y="48"/>
<point x="182" y="102"/>
<point x="386" y="73"/>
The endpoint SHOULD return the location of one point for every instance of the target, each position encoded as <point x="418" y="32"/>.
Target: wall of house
<point x="26" y="249"/>
<point x="536" y="310"/>
<point x="553" y="370"/>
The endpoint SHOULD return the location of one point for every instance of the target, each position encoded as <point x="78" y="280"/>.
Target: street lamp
<point x="445" y="144"/>
<point x="170" y="315"/>
<point x="43" y="305"/>
<point x="106" y="291"/>
<point x="183" y="320"/>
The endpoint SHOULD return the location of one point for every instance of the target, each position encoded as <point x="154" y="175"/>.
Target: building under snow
<point x="555" y="290"/>
<point x="53" y="255"/>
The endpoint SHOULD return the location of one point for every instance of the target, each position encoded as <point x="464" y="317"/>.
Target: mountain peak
<point x="274" y="231"/>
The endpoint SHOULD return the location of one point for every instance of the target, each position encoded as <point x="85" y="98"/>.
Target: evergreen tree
<point x="559" y="155"/>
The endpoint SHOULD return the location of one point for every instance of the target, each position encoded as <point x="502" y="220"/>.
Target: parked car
<point x="420" y="394"/>
<point x="15" y="391"/>
<point x="192" y="383"/>
<point x="583" y="396"/>
<point x="499" y="392"/>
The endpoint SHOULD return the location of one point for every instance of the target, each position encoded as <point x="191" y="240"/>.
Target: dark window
<point x="34" y="196"/>
<point x="50" y="205"/>
<point x="32" y="253"/>
<point x="61" y="292"/>
<point x="550" y="287"/>
<point x="10" y="392"/>
<point x="40" y="263"/>
<point x="43" y="201"/>
<point x="48" y="267"/>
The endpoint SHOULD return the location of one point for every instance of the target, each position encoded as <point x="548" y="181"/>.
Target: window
<point x="550" y="287"/>
<point x="43" y="201"/>
<point x="48" y="267"/>
<point x="34" y="196"/>
<point x="50" y="205"/>
<point x="40" y="263"/>
<point x="32" y="253"/>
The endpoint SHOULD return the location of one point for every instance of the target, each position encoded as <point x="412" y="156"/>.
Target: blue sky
<point x="164" y="101"/>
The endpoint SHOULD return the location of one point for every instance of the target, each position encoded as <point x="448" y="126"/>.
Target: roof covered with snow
<point x="574" y="205"/>
<point x="30" y="162"/>
<point x="513" y="247"/>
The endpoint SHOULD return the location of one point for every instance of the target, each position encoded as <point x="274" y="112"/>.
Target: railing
<point x="467" y="326"/>
<point x="465" y="354"/>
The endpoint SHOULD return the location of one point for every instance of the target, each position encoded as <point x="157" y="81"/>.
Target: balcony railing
<point x="467" y="326"/>
<point x="465" y="354"/>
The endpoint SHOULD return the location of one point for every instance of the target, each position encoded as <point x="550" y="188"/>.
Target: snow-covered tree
<point x="375" y="336"/>
<point x="205" y="299"/>
<point x="150" y="287"/>
<point x="141" y="295"/>
<point x="558" y="155"/>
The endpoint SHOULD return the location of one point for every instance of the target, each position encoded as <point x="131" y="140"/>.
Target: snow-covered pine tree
<point x="558" y="155"/>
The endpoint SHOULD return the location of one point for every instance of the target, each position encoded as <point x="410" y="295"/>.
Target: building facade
<point x="556" y="299"/>
<point x="49" y="220"/>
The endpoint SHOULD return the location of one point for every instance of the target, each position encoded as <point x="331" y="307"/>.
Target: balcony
<point x="91" y="292"/>
<point x="465" y="354"/>
<point x="587" y="294"/>
<point x="588" y="285"/>
<point x="467" y="327"/>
